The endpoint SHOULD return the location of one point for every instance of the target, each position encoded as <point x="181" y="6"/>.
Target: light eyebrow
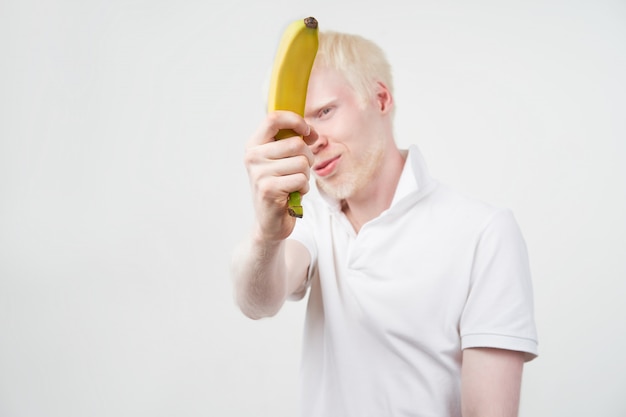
<point x="316" y="110"/>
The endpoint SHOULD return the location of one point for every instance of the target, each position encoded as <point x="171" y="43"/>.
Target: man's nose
<point x="319" y="144"/>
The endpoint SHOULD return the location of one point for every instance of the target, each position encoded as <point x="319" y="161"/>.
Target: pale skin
<point x="342" y="135"/>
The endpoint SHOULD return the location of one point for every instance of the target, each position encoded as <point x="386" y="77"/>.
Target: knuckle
<point x="302" y="180"/>
<point x="305" y="189"/>
<point x="272" y="118"/>
<point x="249" y="157"/>
<point x="265" y="189"/>
<point x="303" y="164"/>
<point x="252" y="157"/>
<point x="297" y="146"/>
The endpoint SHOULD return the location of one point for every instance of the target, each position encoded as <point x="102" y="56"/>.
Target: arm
<point x="491" y="382"/>
<point x="267" y="268"/>
<point x="265" y="274"/>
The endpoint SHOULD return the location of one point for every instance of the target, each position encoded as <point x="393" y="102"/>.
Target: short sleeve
<point x="499" y="310"/>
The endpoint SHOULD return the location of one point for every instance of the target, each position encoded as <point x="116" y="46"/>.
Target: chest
<point x="410" y="273"/>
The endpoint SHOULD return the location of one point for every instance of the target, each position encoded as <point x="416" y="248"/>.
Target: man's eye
<point x="325" y="111"/>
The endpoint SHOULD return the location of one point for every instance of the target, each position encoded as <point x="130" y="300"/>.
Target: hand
<point x="277" y="168"/>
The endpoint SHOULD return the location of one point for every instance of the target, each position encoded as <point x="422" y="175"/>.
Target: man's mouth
<point x="326" y="167"/>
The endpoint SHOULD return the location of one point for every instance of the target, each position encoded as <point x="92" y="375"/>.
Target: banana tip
<point x="310" y="22"/>
<point x="296" y="211"/>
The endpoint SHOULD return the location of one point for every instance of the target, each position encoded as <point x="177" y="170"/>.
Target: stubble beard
<point x="356" y="179"/>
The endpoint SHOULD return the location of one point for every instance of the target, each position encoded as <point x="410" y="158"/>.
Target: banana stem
<point x="295" y="205"/>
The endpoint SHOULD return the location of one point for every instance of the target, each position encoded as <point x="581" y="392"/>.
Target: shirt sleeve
<point x="499" y="311"/>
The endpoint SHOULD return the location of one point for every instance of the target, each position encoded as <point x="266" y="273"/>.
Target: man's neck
<point x="377" y="196"/>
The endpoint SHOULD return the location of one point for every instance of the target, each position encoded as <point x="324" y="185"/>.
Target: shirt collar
<point x="414" y="178"/>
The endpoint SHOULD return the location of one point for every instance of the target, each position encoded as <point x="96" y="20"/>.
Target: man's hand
<point x="277" y="168"/>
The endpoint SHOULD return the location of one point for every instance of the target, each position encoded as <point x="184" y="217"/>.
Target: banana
<point x="290" y="79"/>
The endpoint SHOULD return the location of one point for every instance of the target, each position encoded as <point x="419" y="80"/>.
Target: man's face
<point x="350" y="146"/>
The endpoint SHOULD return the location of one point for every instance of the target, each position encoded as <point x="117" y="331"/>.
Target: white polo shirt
<point x="391" y="308"/>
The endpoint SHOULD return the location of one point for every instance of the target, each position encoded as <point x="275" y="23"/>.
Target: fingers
<point x="297" y="164"/>
<point x="275" y="189"/>
<point x="263" y="148"/>
<point x="283" y="165"/>
<point x="279" y="158"/>
<point x="279" y="120"/>
<point x="285" y="148"/>
<point x="277" y="168"/>
<point x="271" y="182"/>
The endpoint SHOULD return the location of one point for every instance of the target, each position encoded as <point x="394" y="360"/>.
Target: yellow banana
<point x="290" y="79"/>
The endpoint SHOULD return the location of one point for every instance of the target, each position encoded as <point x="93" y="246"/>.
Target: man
<point x="420" y="299"/>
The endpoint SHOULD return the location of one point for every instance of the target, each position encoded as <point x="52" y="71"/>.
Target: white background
<point x="122" y="190"/>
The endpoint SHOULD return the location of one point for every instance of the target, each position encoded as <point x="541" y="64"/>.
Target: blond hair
<point x="362" y="62"/>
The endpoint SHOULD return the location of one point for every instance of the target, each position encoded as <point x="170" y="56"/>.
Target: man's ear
<point x="383" y="97"/>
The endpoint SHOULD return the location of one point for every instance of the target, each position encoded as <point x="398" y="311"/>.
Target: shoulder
<point x="455" y="206"/>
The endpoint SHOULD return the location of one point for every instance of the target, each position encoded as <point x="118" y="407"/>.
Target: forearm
<point x="259" y="277"/>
